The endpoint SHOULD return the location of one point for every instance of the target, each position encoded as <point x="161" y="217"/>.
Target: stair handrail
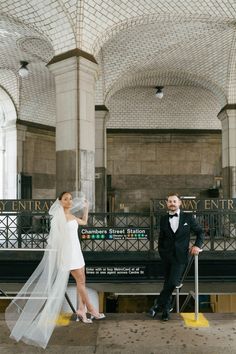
<point x="179" y="286"/>
<point x="191" y="294"/>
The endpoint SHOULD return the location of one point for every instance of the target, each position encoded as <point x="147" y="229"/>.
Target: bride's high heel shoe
<point x="83" y="318"/>
<point x="100" y="316"/>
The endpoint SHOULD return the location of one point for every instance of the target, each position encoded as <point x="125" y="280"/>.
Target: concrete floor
<point x="134" y="334"/>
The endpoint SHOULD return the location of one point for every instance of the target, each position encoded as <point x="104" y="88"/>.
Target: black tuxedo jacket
<point x="176" y="245"/>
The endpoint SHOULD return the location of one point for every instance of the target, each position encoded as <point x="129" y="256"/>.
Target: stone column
<point x="2" y="162"/>
<point x="101" y="115"/>
<point x="227" y="117"/>
<point x="21" y="134"/>
<point x="75" y="78"/>
<point x="8" y="147"/>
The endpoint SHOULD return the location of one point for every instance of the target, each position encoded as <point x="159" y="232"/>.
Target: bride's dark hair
<point x="61" y="195"/>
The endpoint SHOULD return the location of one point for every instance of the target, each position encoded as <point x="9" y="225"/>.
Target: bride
<point x="33" y="313"/>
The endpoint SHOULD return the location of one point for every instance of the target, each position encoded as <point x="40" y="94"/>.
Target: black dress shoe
<point x="154" y="310"/>
<point x="165" y="315"/>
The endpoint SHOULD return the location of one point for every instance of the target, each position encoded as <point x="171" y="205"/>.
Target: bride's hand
<point x="86" y="204"/>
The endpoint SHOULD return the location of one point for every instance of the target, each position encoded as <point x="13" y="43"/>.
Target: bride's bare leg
<point x="81" y="304"/>
<point x="79" y="276"/>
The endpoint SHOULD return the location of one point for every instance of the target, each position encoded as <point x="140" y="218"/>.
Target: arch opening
<point x="8" y="147"/>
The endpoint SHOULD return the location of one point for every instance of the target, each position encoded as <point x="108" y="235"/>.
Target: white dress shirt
<point x="174" y="222"/>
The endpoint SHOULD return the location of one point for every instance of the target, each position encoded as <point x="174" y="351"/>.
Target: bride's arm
<point x="84" y="219"/>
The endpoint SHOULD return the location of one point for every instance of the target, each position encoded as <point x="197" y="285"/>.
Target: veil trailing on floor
<point x="33" y="313"/>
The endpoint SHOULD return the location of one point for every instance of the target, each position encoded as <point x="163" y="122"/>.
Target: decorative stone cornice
<point x="35" y="125"/>
<point x="74" y="63"/>
<point x="163" y="131"/>
<point x="72" y="53"/>
<point x="228" y="107"/>
<point x="101" y="108"/>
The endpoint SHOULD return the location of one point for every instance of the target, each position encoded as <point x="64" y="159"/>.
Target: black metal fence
<point x="24" y="230"/>
<point x="116" y="232"/>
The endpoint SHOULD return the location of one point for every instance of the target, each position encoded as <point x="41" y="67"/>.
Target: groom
<point x="173" y="247"/>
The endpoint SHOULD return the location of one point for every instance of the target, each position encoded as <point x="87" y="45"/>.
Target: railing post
<point x="178" y="287"/>
<point x="19" y="229"/>
<point x="151" y="230"/>
<point x="212" y="231"/>
<point x="177" y="299"/>
<point x="196" y="287"/>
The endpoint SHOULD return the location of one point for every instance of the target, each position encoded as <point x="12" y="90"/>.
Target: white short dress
<point x="76" y="259"/>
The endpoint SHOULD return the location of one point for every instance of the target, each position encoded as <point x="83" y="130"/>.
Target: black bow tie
<point x="172" y="215"/>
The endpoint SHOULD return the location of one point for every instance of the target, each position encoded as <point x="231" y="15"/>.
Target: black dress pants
<point x="173" y="272"/>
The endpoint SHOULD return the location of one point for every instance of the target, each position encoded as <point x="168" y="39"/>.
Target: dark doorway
<point x="25" y="187"/>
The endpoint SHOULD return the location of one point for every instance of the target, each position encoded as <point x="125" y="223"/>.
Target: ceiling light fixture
<point x="159" y="92"/>
<point x="23" y="71"/>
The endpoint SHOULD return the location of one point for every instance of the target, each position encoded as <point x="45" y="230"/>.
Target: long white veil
<point x="32" y="315"/>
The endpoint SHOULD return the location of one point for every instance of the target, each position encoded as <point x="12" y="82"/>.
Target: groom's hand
<point x="195" y="250"/>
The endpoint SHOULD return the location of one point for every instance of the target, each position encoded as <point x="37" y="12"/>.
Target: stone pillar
<point x="227" y="117"/>
<point x="21" y="134"/>
<point x="75" y="78"/>
<point x="2" y="162"/>
<point x="101" y="115"/>
<point x="8" y="147"/>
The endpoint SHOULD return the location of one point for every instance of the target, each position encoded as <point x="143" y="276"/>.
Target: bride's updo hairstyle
<point x="61" y="195"/>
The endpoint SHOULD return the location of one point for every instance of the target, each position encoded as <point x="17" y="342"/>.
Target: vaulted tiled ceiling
<point x="171" y="41"/>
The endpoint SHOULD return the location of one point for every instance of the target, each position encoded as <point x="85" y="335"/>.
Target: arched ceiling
<point x="188" y="38"/>
<point x="175" y="78"/>
<point x="88" y="24"/>
<point x="199" y="48"/>
<point x="188" y="107"/>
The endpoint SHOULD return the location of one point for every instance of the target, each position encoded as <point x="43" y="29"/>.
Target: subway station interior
<point x="126" y="102"/>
